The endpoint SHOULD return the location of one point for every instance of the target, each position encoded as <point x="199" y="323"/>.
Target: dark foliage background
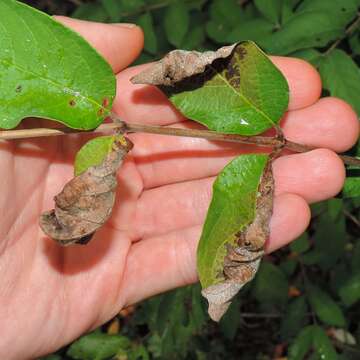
<point x="304" y="302"/>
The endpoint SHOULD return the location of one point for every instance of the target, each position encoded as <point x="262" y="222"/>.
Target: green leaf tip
<point x="94" y="152"/>
<point x="236" y="89"/>
<point x="49" y="71"/>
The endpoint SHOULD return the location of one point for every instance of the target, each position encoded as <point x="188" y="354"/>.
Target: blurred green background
<point x="304" y="302"/>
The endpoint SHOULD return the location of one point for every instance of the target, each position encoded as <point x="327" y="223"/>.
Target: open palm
<point x="50" y="295"/>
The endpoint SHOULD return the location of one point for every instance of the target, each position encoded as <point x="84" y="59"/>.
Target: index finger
<point x="147" y="104"/>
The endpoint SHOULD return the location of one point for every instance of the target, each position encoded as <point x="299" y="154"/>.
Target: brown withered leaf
<point x="242" y="261"/>
<point x="86" y="201"/>
<point x="180" y="64"/>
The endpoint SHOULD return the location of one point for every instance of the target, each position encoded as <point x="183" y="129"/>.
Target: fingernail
<point x="126" y="25"/>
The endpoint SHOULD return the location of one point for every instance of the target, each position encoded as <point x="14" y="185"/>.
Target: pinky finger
<point x="161" y="263"/>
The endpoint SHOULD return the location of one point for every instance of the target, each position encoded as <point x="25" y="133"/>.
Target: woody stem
<point x="119" y="125"/>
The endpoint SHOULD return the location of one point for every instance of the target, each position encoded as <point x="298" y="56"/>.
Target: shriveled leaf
<point x="341" y="76"/>
<point x="325" y="307"/>
<point x="236" y="89"/>
<point x="48" y="71"/>
<point x="235" y="230"/>
<point x="86" y="202"/>
<point x="94" y="152"/>
<point x="98" y="346"/>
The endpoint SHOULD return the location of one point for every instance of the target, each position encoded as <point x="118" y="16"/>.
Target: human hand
<point x="50" y="295"/>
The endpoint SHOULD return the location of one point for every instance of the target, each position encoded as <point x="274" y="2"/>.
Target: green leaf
<point x="48" y="71"/>
<point x="341" y="76"/>
<point x="335" y="208"/>
<point x="218" y="32"/>
<point x="130" y="6"/>
<point x="351" y="187"/>
<point x="271" y="9"/>
<point x="255" y="30"/>
<point x="93" y="153"/>
<point x="271" y="285"/>
<point x="150" y="40"/>
<point x="294" y="318"/>
<point x="354" y="42"/>
<point x="350" y="291"/>
<point x="325" y="307"/>
<point x="305" y="30"/>
<point x="194" y="38"/>
<point x="302" y="344"/>
<point x="98" y="346"/>
<point x="226" y="12"/>
<point x="322" y="344"/>
<point x="113" y="9"/>
<point x="231" y="321"/>
<point x="355" y="258"/>
<point x="244" y="94"/>
<point x="176" y="23"/>
<point x="232" y="207"/>
<point x="301" y="244"/>
<point x="91" y="11"/>
<point x="312" y="56"/>
<point x="341" y="11"/>
<point x="329" y="239"/>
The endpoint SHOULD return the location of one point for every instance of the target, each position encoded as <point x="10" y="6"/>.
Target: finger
<point x="119" y="44"/>
<point x="330" y="123"/>
<point x="164" y="262"/>
<point x="146" y="104"/>
<point x="315" y="176"/>
<point x="303" y="79"/>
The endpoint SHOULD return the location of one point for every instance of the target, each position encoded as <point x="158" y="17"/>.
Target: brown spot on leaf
<point x="241" y="52"/>
<point x="86" y="201"/>
<point x="101" y="112"/>
<point x="19" y="89"/>
<point x="243" y="259"/>
<point x="72" y="103"/>
<point x="106" y="102"/>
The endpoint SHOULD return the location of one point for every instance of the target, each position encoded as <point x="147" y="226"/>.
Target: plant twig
<point x="347" y="32"/>
<point x="352" y="218"/>
<point x="264" y="141"/>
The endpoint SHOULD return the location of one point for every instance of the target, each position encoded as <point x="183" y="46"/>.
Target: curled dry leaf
<point x="180" y="64"/>
<point x="242" y="257"/>
<point x="86" y="202"/>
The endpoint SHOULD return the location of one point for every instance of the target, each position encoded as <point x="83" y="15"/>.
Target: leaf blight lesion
<point x="241" y="252"/>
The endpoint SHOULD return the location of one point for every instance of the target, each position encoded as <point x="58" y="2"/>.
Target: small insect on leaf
<point x="235" y="230"/>
<point x="86" y="202"/>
